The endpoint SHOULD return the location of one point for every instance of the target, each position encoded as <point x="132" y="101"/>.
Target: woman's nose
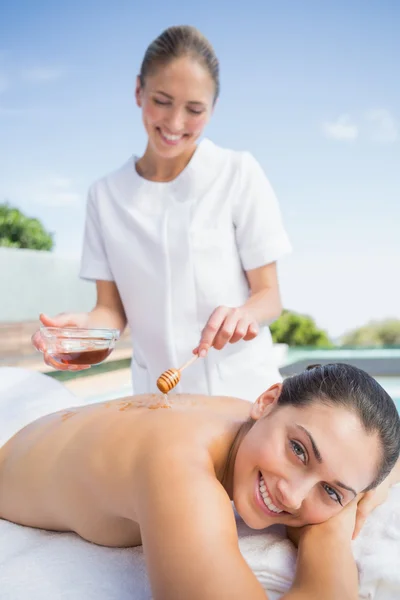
<point x="176" y="121"/>
<point x="291" y="494"/>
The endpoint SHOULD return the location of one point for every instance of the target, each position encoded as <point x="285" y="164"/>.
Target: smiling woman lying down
<point x="122" y="473"/>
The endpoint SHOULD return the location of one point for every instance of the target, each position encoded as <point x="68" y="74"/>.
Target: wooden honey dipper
<point x="169" y="379"/>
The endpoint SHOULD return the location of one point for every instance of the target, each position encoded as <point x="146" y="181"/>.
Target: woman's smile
<point x="291" y="464"/>
<point x="264" y="499"/>
<point x="169" y="138"/>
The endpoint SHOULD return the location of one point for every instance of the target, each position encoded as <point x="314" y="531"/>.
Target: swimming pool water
<point x="392" y="386"/>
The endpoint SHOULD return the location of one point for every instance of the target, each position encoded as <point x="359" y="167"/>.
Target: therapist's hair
<point x="177" y="42"/>
<point x="344" y="385"/>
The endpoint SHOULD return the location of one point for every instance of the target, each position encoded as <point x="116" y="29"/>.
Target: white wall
<point x="32" y="282"/>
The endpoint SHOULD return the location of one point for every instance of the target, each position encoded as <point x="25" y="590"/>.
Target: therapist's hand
<point x="61" y="320"/>
<point x="225" y="325"/>
<point x="65" y="320"/>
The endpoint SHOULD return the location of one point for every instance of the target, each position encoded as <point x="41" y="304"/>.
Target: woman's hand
<point x="363" y="505"/>
<point x="369" y="502"/>
<point x="340" y="526"/>
<point x="325" y="563"/>
<point x="225" y="325"/>
<point x="61" y="320"/>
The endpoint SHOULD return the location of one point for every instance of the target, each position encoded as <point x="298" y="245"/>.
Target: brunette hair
<point x="176" y="42"/>
<point x="347" y="386"/>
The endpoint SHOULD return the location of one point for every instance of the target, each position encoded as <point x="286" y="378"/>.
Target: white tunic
<point x="177" y="250"/>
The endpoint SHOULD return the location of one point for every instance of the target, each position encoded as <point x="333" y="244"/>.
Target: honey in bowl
<point x="76" y="347"/>
<point x="84" y="357"/>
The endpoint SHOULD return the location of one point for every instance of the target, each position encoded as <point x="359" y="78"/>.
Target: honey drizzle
<point x="68" y="414"/>
<point x="157" y="401"/>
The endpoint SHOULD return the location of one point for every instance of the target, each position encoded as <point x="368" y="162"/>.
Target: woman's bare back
<point x="79" y="469"/>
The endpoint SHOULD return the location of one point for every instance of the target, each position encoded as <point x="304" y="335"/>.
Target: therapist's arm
<point x="109" y="310"/>
<point x="265" y="302"/>
<point x="230" y="324"/>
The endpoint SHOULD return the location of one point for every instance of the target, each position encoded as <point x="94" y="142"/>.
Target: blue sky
<point x="311" y="88"/>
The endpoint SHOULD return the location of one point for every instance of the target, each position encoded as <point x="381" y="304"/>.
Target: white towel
<point x="39" y="565"/>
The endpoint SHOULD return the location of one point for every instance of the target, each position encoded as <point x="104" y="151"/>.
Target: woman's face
<point x="300" y="466"/>
<point x="177" y="102"/>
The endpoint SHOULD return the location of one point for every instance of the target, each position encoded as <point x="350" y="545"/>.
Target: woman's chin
<point x="165" y="150"/>
<point x="255" y="521"/>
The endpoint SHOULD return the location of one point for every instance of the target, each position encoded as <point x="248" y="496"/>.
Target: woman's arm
<point x="109" y="311"/>
<point x="326" y="568"/>
<point x="231" y="324"/>
<point x="265" y="300"/>
<point x="375" y="498"/>
<point x="190" y="540"/>
<point x="189" y="532"/>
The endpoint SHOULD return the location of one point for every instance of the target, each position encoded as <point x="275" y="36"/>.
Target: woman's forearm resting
<point x="325" y="570"/>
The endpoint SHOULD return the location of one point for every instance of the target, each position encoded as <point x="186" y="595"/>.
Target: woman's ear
<point x="266" y="402"/>
<point x="138" y="92"/>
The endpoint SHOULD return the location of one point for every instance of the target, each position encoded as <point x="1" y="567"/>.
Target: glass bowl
<point x="73" y="346"/>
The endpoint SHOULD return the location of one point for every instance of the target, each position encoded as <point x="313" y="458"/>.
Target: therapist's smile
<point x="169" y="138"/>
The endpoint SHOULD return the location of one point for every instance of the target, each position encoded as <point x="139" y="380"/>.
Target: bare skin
<point x="66" y="462"/>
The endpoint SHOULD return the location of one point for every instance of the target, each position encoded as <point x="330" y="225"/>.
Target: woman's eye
<point x="160" y="102"/>
<point x="332" y="493"/>
<point x="195" y="112"/>
<point x="299" y="451"/>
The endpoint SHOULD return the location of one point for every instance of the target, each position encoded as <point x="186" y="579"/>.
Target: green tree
<point x="298" y="330"/>
<point x="375" y="333"/>
<point x="20" y="231"/>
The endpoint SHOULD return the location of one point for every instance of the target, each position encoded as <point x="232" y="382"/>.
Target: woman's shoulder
<point x="241" y="159"/>
<point x="120" y="178"/>
<point x="193" y="426"/>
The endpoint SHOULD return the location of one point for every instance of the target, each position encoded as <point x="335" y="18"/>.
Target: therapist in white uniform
<point x="182" y="242"/>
